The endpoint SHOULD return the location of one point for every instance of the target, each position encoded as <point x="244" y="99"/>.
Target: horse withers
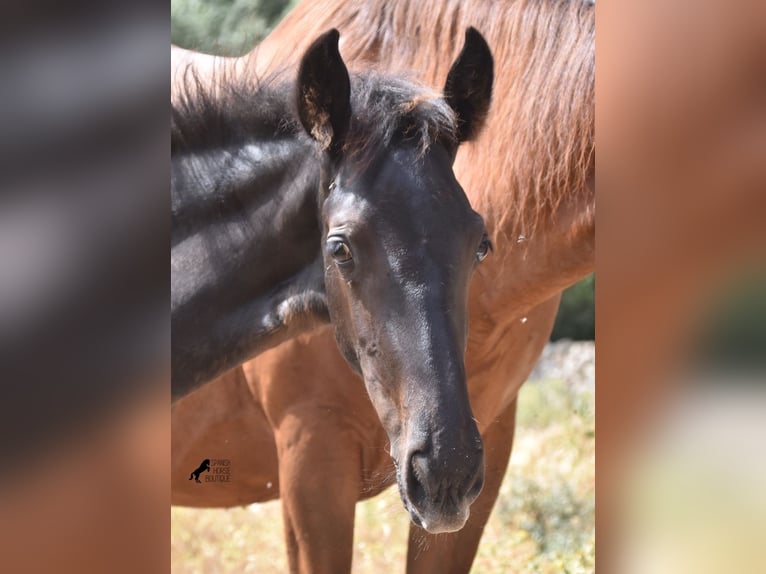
<point x="377" y="209"/>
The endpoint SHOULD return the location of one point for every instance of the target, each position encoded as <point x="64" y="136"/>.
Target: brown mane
<point x="544" y="91"/>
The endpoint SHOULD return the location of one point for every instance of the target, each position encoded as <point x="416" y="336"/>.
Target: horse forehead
<point x="400" y="198"/>
<point x="343" y="203"/>
<point x="384" y="210"/>
<point x="402" y="188"/>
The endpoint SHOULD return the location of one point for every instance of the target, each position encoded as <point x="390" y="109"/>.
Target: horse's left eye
<point x="485" y="246"/>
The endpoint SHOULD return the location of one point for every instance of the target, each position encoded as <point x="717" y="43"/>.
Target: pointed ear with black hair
<point x="468" y="89"/>
<point x="323" y="93"/>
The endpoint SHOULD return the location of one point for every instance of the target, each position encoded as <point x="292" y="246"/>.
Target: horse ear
<point x="468" y="90"/>
<point x="323" y="93"/>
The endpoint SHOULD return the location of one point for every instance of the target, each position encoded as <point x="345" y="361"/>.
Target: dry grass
<point x="543" y="520"/>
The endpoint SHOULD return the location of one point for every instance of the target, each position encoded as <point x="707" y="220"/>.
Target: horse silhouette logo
<point x="205" y="466"/>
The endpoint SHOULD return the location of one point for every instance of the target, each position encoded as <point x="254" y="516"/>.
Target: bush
<point x="224" y="27"/>
<point x="732" y="334"/>
<point x="576" y="319"/>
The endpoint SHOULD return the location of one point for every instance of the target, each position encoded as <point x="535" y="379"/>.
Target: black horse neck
<point x="245" y="238"/>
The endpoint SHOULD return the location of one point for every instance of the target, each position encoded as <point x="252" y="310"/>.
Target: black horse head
<point x="400" y="244"/>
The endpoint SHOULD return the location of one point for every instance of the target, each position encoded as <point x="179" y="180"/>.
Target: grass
<point x="543" y="521"/>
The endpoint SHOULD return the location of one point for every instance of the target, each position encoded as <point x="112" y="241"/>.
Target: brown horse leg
<point x="454" y="553"/>
<point x="319" y="481"/>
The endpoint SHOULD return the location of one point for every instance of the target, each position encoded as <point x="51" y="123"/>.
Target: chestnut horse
<point x="295" y="421"/>
<point x="272" y="236"/>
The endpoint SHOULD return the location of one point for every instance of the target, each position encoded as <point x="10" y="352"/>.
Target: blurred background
<point x="84" y="298"/>
<point x="681" y="251"/>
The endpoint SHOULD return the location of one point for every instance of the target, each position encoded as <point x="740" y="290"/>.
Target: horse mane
<point x="542" y="119"/>
<point x="229" y="110"/>
<point x="232" y="109"/>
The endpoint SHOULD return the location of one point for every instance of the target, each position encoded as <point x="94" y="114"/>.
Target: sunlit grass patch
<point x="548" y="496"/>
<point x="228" y="540"/>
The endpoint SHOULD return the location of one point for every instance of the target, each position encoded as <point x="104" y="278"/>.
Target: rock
<point x="572" y="361"/>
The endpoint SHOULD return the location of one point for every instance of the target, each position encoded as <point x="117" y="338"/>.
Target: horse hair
<point x="233" y="109"/>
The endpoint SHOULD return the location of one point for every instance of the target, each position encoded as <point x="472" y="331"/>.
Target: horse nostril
<point x="416" y="491"/>
<point x="478" y="484"/>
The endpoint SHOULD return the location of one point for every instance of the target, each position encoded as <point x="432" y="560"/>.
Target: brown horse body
<point x="296" y="422"/>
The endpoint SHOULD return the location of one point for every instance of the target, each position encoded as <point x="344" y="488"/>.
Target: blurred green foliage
<point x="224" y="27"/>
<point x="576" y="319"/>
<point x="732" y="335"/>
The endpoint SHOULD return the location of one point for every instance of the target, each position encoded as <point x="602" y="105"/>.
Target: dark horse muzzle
<point x="441" y="473"/>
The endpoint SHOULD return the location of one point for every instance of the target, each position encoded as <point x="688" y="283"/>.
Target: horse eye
<point x="340" y="251"/>
<point x="485" y="246"/>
